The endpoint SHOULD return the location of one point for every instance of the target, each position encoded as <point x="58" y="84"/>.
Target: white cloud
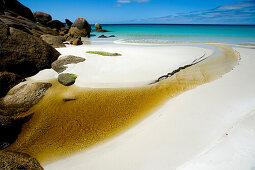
<point x="129" y="1"/>
<point x="141" y="1"/>
<point x="238" y="13"/>
<point x="123" y="1"/>
<point x="240" y="5"/>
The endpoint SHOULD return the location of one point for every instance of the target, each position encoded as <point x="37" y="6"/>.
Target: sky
<point x="149" y="11"/>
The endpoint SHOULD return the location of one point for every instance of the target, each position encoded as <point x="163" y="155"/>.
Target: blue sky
<point x="149" y="11"/>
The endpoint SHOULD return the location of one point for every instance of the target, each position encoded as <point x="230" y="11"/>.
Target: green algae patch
<point x="74" y="76"/>
<point x="103" y="53"/>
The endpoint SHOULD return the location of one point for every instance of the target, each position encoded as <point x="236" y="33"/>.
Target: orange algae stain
<point x="59" y="128"/>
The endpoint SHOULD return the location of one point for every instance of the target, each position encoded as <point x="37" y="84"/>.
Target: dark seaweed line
<point x="168" y="75"/>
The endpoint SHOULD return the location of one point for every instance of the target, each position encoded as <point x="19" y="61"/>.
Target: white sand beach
<point x="209" y="127"/>
<point x="138" y="66"/>
<point x="127" y="85"/>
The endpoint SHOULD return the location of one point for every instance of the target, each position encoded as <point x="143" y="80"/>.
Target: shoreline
<point x="121" y="41"/>
<point x="184" y="43"/>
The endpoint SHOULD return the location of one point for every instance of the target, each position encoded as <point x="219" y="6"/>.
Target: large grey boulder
<point x="16" y="7"/>
<point x="42" y="17"/>
<point x="20" y="23"/>
<point x="21" y="55"/>
<point x="59" y="65"/>
<point x="22" y="97"/>
<point x="54" y="41"/>
<point x="24" y="54"/>
<point x="67" y="79"/>
<point x="56" y="24"/>
<point x="80" y="28"/>
<point x="16" y="15"/>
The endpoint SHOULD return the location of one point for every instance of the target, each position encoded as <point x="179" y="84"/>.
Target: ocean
<point x="166" y="33"/>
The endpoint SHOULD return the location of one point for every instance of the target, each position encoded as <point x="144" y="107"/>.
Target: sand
<point x="209" y="127"/>
<point x="138" y="66"/>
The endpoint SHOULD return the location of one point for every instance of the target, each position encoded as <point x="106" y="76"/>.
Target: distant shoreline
<point x="169" y="33"/>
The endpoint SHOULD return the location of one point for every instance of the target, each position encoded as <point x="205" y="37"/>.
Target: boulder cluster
<point x="21" y="55"/>
<point x="27" y="41"/>
<point x="40" y="24"/>
<point x="27" y="46"/>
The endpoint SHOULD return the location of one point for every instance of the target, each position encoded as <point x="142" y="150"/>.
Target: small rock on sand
<point x="59" y="65"/>
<point x="67" y="79"/>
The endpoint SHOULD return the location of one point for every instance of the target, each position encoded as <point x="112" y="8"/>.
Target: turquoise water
<point x="180" y="33"/>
